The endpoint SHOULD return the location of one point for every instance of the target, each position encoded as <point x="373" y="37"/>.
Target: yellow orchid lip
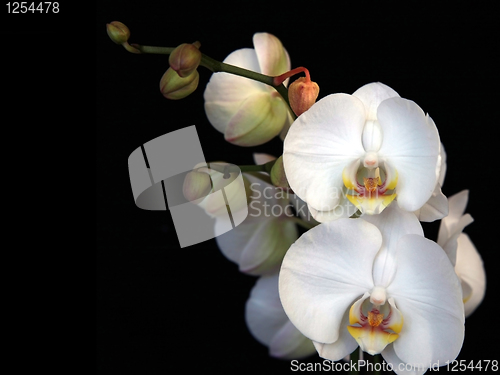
<point x="373" y="195"/>
<point x="376" y="329"/>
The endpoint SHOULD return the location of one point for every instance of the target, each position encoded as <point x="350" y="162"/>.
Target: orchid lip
<point x="374" y="325"/>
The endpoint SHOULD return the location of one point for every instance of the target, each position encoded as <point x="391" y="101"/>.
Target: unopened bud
<point x="118" y="32"/>
<point x="174" y="87"/>
<point x="278" y="177"/>
<point x="196" y="185"/>
<point x="185" y="59"/>
<point x="302" y="94"/>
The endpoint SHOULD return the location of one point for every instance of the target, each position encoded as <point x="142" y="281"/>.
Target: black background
<point x="160" y="307"/>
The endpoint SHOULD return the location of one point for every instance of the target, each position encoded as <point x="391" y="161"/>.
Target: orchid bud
<point x="196" y="185"/>
<point x="174" y="87"/>
<point x="185" y="59"/>
<point x="302" y="94"/>
<point x="118" y="32"/>
<point x="277" y="174"/>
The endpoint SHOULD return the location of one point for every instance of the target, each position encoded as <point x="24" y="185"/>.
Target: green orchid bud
<point x="185" y="59"/>
<point x="196" y="185"/>
<point x="118" y="32"/>
<point x="174" y="87"/>
<point x="277" y="174"/>
<point x="302" y="94"/>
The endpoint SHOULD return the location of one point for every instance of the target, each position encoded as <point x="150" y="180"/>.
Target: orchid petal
<point x="433" y="327"/>
<point x="393" y="223"/>
<point x="225" y="92"/>
<point x="248" y="127"/>
<point x="289" y="343"/>
<point x="435" y="208"/>
<point x="260" y="158"/>
<point x="344" y="346"/>
<point x="442" y="169"/>
<point x="344" y="209"/>
<point x="272" y="56"/>
<point x="451" y="223"/>
<point x="319" y="145"/>
<point x="258" y="248"/>
<point x="470" y="268"/>
<point x="320" y="278"/>
<point x="269" y="324"/>
<point x="398" y="366"/>
<point x="411" y="144"/>
<point x="372" y="94"/>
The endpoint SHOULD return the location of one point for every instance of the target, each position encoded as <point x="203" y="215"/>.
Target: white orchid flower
<point x="248" y="112"/>
<point x="462" y="252"/>
<point x="269" y="324"/>
<point x="378" y="283"/>
<point x="260" y="242"/>
<point x="372" y="145"/>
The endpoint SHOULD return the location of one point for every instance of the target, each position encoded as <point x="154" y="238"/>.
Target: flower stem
<point x="354" y="357"/>
<point x="217" y="66"/>
<point x="227" y="169"/>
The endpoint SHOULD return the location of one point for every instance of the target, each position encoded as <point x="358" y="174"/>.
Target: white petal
<point x="262" y="158"/>
<point x="258" y="248"/>
<point x="269" y="324"/>
<point x="411" y="144"/>
<point x="393" y="223"/>
<point x="272" y="56"/>
<point x="345" y="209"/>
<point x="225" y="92"/>
<point x="442" y="169"/>
<point x="451" y="223"/>
<point x="264" y="314"/>
<point x="289" y="343"/>
<point x="398" y="366"/>
<point x="372" y="136"/>
<point x="372" y="95"/>
<point x="324" y="271"/>
<point x="320" y="143"/>
<point x="435" y="208"/>
<point x="470" y="269"/>
<point x="344" y="346"/>
<point x="433" y="328"/>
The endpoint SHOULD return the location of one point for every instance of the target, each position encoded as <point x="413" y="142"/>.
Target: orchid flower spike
<point x="462" y="252"/>
<point x="369" y="147"/>
<point x="248" y="112"/>
<point x="378" y="283"/>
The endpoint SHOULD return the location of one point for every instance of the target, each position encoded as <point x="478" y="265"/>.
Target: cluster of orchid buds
<point x="333" y="227"/>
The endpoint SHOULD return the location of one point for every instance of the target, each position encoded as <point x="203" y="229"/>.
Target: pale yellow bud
<point x="174" y="87"/>
<point x="278" y="177"/>
<point x="118" y="32"/>
<point x="196" y="185"/>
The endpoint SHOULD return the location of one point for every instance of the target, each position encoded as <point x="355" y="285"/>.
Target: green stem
<point x="354" y="357"/>
<point x="217" y="66"/>
<point x="226" y="169"/>
<point x="304" y="224"/>
<point x="377" y="359"/>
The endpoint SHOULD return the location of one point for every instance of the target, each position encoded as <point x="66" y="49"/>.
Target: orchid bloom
<point x="378" y="283"/>
<point x="370" y="146"/>
<point x="248" y="112"/>
<point x="269" y="324"/>
<point x="462" y="252"/>
<point x="260" y="242"/>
